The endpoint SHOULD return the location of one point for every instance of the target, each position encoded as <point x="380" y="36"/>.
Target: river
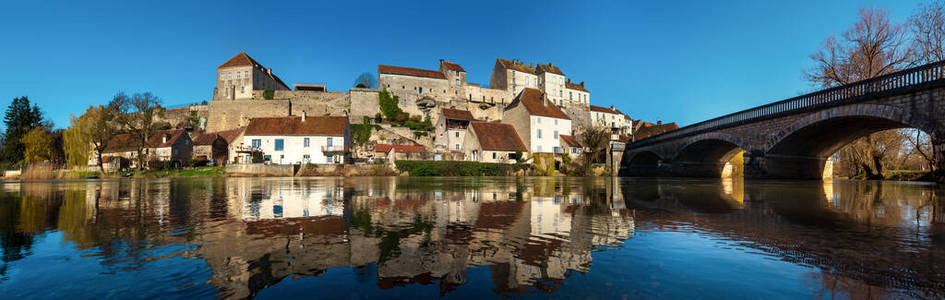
<point x="489" y="237"/>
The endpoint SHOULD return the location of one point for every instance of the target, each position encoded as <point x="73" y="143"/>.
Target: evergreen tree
<point x="20" y="118"/>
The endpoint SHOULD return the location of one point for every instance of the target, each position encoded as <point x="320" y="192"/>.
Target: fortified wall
<point x="229" y="114"/>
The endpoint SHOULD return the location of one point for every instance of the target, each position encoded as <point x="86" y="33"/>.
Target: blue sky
<point x="682" y="61"/>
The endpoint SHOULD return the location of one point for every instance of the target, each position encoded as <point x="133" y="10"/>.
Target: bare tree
<point x="928" y="30"/>
<point x="872" y="47"/>
<point x="137" y="114"/>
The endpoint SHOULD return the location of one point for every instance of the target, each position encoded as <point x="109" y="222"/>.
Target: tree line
<point x="29" y="138"/>
<point x="874" y="46"/>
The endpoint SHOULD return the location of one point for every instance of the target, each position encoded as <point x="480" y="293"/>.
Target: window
<point x="306" y="143"/>
<point x="457" y="146"/>
<point x="556" y="121"/>
<point x="237" y="75"/>
<point x="493" y="157"/>
<point x="257" y="143"/>
<point x="538" y="120"/>
<point x="556" y="134"/>
<point x="539" y="133"/>
<point x="280" y="144"/>
<point x="226" y="90"/>
<point x="267" y="158"/>
<point x="575" y="150"/>
<point x="457" y="134"/>
<point x="245" y="74"/>
<point x="570" y="96"/>
<point x="229" y="75"/>
<point x="556" y="149"/>
<point x="539" y="148"/>
<point x="329" y="142"/>
<point x="421" y="90"/>
<point x="242" y="89"/>
<point x="222" y="76"/>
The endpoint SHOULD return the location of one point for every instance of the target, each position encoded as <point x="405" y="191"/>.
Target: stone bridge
<point x="792" y="139"/>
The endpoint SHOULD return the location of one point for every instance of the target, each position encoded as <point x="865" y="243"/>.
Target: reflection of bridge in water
<point x="828" y="225"/>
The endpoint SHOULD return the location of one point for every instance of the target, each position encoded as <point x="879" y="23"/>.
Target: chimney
<point x="303" y="116"/>
<point x="659" y="122"/>
<point x="613" y="108"/>
<point x="164" y="139"/>
<point x="582" y="83"/>
<point x="269" y="70"/>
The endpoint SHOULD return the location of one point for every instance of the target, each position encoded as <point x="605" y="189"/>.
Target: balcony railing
<point x="919" y="77"/>
<point x="334" y="148"/>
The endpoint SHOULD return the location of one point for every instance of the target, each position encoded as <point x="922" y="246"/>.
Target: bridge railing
<point x="846" y="94"/>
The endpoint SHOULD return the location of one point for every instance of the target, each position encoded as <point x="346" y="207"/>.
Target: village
<point x="255" y="123"/>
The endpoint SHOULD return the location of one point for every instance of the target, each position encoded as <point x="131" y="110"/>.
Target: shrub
<point x="269" y="94"/>
<point x="456" y="168"/>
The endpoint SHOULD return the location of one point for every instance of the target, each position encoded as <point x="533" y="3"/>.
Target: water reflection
<point x="531" y="235"/>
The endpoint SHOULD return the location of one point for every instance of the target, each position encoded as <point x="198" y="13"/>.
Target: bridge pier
<point x="938" y="147"/>
<point x="774" y="166"/>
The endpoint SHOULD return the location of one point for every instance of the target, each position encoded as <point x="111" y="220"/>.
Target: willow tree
<point x="873" y="47"/>
<point x="90" y="134"/>
<point x="37" y="145"/>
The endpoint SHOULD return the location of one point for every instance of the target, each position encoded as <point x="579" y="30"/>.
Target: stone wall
<point x="230" y="114"/>
<point x="261" y="170"/>
<point x="363" y="104"/>
<point x="180" y="117"/>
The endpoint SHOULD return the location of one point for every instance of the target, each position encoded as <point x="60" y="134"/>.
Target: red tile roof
<point x="550" y="68"/>
<point x="385" y="69"/>
<point x="332" y="125"/>
<point x="206" y="138"/>
<point x="498" y="136"/>
<point x="518" y="66"/>
<point x="606" y="110"/>
<point x="569" y="140"/>
<point x="451" y="66"/>
<point x="399" y="148"/>
<point x="575" y="86"/>
<point x="648" y="131"/>
<point x="125" y="142"/>
<point x="457" y="114"/>
<point x="231" y="134"/>
<point x="535" y="103"/>
<point x="243" y="59"/>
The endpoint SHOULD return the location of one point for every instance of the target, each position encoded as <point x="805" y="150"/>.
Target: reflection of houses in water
<point x="252" y="233"/>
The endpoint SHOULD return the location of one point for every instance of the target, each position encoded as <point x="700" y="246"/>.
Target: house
<point x="444" y="84"/>
<point x="493" y="142"/>
<point x="451" y="130"/>
<point x="571" y="146"/>
<point x="537" y="121"/>
<point x="515" y="76"/>
<point x="298" y="140"/>
<point x="239" y="76"/>
<point x="214" y="146"/>
<point x="173" y="147"/>
<point x="400" y="152"/>
<point x="611" y="118"/>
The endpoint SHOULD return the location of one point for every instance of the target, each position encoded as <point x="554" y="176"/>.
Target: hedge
<point x="456" y="168"/>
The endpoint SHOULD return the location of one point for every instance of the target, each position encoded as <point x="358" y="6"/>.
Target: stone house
<point x="238" y="77"/>
<point x="450" y="130"/>
<point x="537" y="121"/>
<point x="401" y="152"/>
<point x="173" y="147"/>
<point x="214" y="146"/>
<point x="298" y="140"/>
<point x="493" y="143"/>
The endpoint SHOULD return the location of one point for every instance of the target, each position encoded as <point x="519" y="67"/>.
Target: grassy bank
<point x="457" y="168"/>
<point x="216" y="171"/>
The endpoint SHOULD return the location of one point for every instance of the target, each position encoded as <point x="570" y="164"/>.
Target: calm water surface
<point x="471" y="238"/>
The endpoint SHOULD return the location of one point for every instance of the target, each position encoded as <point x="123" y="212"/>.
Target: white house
<point x="299" y="140"/>
<point x="538" y="122"/>
<point x="612" y="118"/>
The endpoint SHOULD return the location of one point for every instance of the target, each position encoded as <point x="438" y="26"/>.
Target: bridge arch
<point x="706" y="155"/>
<point x="643" y="163"/>
<point x="822" y="133"/>
<point x="801" y="149"/>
